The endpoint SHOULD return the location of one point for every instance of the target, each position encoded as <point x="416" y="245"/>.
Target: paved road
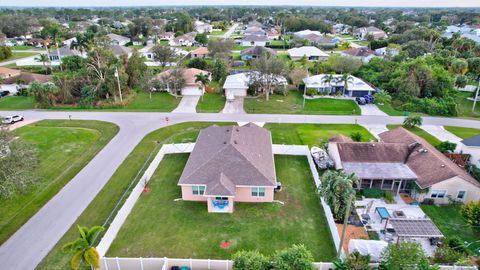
<point x="27" y="247"/>
<point x="230" y="31"/>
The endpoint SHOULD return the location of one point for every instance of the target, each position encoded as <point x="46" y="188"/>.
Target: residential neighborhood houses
<point x="239" y="137"/>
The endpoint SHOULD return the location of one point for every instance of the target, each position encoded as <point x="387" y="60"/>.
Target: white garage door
<point x="191" y="91"/>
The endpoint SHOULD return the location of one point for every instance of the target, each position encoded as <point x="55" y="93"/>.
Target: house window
<point x="461" y="194"/>
<point x="258" y="192"/>
<point x="198" y="190"/>
<point x="438" y="194"/>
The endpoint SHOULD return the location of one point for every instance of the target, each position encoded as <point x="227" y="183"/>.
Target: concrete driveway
<point x="188" y="104"/>
<point x="234" y="107"/>
<point x="371" y="109"/>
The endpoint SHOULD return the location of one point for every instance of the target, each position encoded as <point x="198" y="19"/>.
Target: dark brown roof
<point x="372" y="152"/>
<point x="255" y="38"/>
<point x="229" y="156"/>
<point x="425" y="161"/>
<point x="27" y="78"/>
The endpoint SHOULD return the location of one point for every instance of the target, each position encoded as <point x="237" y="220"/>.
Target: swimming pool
<point x="383" y="213"/>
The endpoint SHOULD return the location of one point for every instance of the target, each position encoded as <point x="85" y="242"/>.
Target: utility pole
<point x="476" y="96"/>
<point x="118" y="83"/>
<point x="345" y="224"/>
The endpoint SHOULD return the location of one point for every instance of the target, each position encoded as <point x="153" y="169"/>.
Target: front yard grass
<point x="99" y="209"/>
<point x="390" y="110"/>
<point x="64" y="148"/>
<point x="313" y="134"/>
<point x="462" y="132"/>
<point x="211" y="103"/>
<point x="464" y="106"/>
<point x="158" y="226"/>
<point x="292" y="104"/>
<point x="451" y="223"/>
<point x="421" y="133"/>
<point x="17" y="103"/>
<point x="19" y="55"/>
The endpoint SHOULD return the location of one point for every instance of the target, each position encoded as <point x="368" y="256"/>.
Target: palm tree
<point x="83" y="249"/>
<point x="345" y="79"/>
<point x="44" y="59"/>
<point x="328" y="79"/>
<point x="203" y="79"/>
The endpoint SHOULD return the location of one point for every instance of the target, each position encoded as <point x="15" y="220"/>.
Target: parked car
<point x="321" y="158"/>
<point x="369" y="99"/>
<point x="4" y="93"/>
<point x="360" y="101"/>
<point x="12" y="119"/>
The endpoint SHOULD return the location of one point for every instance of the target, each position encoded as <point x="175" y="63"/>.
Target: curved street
<point x="37" y="237"/>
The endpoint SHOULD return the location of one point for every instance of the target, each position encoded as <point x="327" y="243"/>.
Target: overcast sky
<point x="370" y="3"/>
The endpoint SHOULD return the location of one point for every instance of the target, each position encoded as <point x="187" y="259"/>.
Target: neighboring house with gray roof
<point x="230" y="164"/>
<point x="118" y="39"/>
<point x="253" y="40"/>
<point x="399" y="162"/>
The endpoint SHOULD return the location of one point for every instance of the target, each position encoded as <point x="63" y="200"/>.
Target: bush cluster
<point x="432" y="106"/>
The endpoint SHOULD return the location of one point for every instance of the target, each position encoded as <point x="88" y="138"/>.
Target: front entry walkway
<point x="376" y="129"/>
<point x="235" y="106"/>
<point x="188" y="104"/>
<point x="371" y="109"/>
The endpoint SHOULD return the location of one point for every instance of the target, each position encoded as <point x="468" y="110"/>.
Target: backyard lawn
<point x="99" y="209"/>
<point x="292" y="104"/>
<point x="19" y="55"/>
<point x="313" y="134"/>
<point x="421" y="133"/>
<point x="451" y="223"/>
<point x="462" y="132"/>
<point x="158" y="226"/>
<point x="211" y="103"/>
<point x="64" y="148"/>
<point x="17" y="103"/>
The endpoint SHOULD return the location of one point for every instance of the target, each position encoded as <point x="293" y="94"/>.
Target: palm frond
<point x="76" y="259"/>
<point x="76" y="245"/>
<point x="92" y="233"/>
<point x="92" y="258"/>
<point x="82" y="231"/>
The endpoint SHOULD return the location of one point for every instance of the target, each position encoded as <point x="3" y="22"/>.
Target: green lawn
<point x="17" y="103"/>
<point x="451" y="223"/>
<point x="138" y="47"/>
<point x="313" y="134"/>
<point x="64" y="148"/>
<point x="462" y="132"/>
<point x="292" y="104"/>
<point x="24" y="48"/>
<point x="160" y="102"/>
<point x="211" y="103"/>
<point x="421" y="133"/>
<point x="18" y="55"/>
<point x="158" y="226"/>
<point x="464" y="106"/>
<point x="388" y="109"/>
<point x="99" y="209"/>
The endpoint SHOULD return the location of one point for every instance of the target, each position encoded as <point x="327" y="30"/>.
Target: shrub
<point x="446" y="147"/>
<point x="198" y="63"/>
<point x="373" y="235"/>
<point x="433" y="106"/>
<point x="412" y="121"/>
<point x="356" y="136"/>
<point x="295" y="257"/>
<point x="389" y="197"/>
<point x="448" y="255"/>
<point x="311" y="92"/>
<point x="373" y="193"/>
<point x="250" y="260"/>
<point x="405" y="255"/>
<point x="461" y="81"/>
<point x="471" y="212"/>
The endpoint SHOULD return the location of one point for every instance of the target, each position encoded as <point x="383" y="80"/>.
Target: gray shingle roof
<point x="229" y="156"/>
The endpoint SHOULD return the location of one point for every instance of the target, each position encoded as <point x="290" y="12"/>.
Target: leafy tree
<point x="174" y="79"/>
<point x="250" y="260"/>
<point x="83" y="249"/>
<point x="219" y="69"/>
<point x="337" y="190"/>
<point x="201" y="38"/>
<point x="341" y="64"/>
<point x="199" y="63"/>
<point x="354" y="261"/>
<point x="446" y="147"/>
<point x="416" y="48"/>
<point x="72" y="63"/>
<point x="356" y="136"/>
<point x="267" y="74"/>
<point x="163" y="54"/>
<point x="471" y="212"/>
<point x="405" y="255"/>
<point x="412" y="121"/>
<point x="459" y="66"/>
<point x="448" y="255"/>
<point x="135" y="68"/>
<point x="17" y="165"/>
<point x="220" y="48"/>
<point x="5" y="52"/>
<point x="44" y="93"/>
<point x="44" y="59"/>
<point x="297" y="75"/>
<point x="293" y="258"/>
<point x="383" y="97"/>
